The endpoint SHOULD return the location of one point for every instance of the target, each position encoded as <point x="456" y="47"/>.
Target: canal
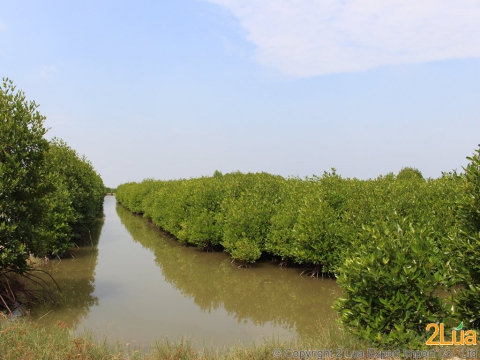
<point x="139" y="285"/>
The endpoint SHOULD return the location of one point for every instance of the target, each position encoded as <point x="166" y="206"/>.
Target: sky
<point x="180" y="88"/>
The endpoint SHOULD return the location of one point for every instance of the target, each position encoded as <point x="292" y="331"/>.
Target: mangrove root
<point x="25" y="289"/>
<point x="313" y="272"/>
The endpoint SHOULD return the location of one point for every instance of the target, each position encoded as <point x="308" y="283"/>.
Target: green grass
<point x="24" y="339"/>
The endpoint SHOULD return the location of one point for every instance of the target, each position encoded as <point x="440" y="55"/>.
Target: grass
<point x="23" y="339"/>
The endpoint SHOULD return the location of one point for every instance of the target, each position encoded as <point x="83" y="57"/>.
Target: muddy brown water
<point x="138" y="285"/>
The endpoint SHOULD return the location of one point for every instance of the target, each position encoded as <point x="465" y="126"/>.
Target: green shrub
<point x="137" y="194"/>
<point x="310" y="222"/>
<point x="251" y="201"/>
<point x="390" y="281"/>
<point x="59" y="217"/>
<point x="23" y="185"/>
<point x="281" y="237"/>
<point x="49" y="195"/>
<point x="409" y="173"/>
<point x="317" y="234"/>
<point x="83" y="189"/>
<point x="466" y="246"/>
<point x="173" y="207"/>
<point x="307" y="228"/>
<point x="203" y="226"/>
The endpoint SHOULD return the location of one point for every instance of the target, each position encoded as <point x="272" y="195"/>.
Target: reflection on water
<point x="76" y="279"/>
<point x="140" y="285"/>
<point x="263" y="294"/>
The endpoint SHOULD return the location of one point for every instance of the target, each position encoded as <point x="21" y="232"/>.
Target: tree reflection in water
<point x="76" y="277"/>
<point x="264" y="293"/>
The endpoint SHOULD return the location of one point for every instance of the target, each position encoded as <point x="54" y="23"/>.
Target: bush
<point x="48" y="194"/>
<point x="409" y="173"/>
<point x="23" y="185"/>
<point x="281" y="237"/>
<point x="78" y="191"/>
<point x="251" y="201"/>
<point x="310" y="222"/>
<point x="390" y="279"/>
<point x="203" y="226"/>
<point x="317" y="234"/>
<point x="466" y="246"/>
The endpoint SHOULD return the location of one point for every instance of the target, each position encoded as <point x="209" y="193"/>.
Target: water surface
<point x="139" y="285"/>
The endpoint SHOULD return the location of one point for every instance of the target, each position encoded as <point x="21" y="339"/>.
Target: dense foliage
<point x="466" y="245"/>
<point x="49" y="195"/>
<point x="77" y="198"/>
<point x="408" y="173"/>
<point x="311" y="221"/>
<point x="390" y="281"/>
<point x="393" y="242"/>
<point x="22" y="179"/>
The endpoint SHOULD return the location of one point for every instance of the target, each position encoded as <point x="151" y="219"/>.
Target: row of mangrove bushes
<point x="392" y="242"/>
<point x="49" y="195"/>
<point x="312" y="221"/>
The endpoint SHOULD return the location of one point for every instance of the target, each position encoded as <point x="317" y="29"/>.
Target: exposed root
<point x="77" y="248"/>
<point x="208" y="247"/>
<point x="26" y="289"/>
<point x="313" y="272"/>
<point x="243" y="264"/>
<point x="6" y="306"/>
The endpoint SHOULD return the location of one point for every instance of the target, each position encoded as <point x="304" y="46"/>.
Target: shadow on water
<point x="263" y="294"/>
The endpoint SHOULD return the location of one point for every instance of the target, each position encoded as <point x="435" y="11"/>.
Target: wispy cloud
<point x="313" y="37"/>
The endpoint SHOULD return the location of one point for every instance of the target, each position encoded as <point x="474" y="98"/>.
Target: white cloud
<point x="313" y="37"/>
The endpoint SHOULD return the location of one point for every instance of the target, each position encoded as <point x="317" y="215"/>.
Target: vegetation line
<point x="49" y="197"/>
<point x="392" y="242"/>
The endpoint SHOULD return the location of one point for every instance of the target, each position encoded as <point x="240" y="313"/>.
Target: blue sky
<point x="181" y="88"/>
